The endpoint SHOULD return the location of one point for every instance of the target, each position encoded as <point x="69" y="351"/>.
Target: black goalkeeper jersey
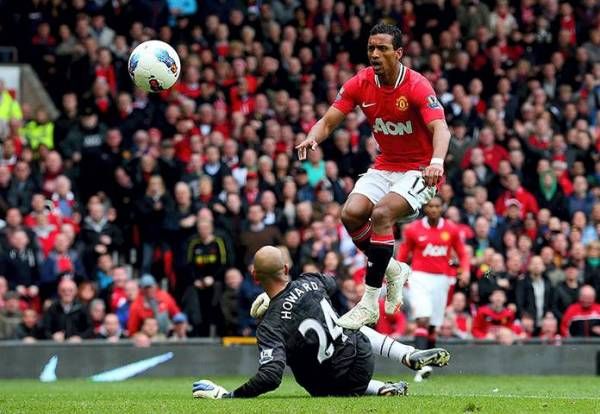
<point x="299" y="330"/>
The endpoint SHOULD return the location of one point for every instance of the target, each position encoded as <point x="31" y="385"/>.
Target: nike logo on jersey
<point x="422" y="238"/>
<point x="366" y="105"/>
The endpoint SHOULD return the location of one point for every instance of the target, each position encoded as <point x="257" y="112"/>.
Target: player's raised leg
<point x="356" y="216"/>
<point x="381" y="249"/>
<point x="356" y="213"/>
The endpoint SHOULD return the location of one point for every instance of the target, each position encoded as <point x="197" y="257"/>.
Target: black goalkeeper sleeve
<point x="266" y="379"/>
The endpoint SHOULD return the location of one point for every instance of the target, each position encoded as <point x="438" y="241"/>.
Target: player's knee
<point x="382" y="216"/>
<point x="353" y="217"/>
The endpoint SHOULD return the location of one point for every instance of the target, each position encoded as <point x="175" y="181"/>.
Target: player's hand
<point x="208" y="389"/>
<point x="432" y="174"/>
<point x="304" y="146"/>
<point x="260" y="306"/>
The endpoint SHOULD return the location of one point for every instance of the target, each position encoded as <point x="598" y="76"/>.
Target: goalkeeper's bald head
<point x="270" y="268"/>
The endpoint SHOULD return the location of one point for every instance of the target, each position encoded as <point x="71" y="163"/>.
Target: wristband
<point x="437" y="161"/>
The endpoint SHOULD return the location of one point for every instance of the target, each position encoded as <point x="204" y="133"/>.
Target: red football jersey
<point x="487" y="320"/>
<point x="431" y="248"/>
<point x="398" y="116"/>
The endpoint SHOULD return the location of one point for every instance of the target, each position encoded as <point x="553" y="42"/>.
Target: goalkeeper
<point x="299" y="329"/>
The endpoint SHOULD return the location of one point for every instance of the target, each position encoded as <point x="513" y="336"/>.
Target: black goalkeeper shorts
<point x="352" y="379"/>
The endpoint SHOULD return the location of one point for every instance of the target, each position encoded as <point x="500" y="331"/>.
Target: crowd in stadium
<point x="136" y="215"/>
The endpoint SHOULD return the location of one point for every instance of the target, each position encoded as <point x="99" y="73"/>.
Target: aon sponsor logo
<point x="435" y="251"/>
<point x="392" y="128"/>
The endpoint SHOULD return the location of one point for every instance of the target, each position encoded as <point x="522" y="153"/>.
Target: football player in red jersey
<point x="431" y="243"/>
<point x="409" y="125"/>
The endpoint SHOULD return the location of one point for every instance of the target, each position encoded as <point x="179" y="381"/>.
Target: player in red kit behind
<point x="409" y="125"/>
<point x="429" y="244"/>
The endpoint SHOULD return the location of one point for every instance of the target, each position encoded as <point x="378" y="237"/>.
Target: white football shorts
<point x="428" y="295"/>
<point x="375" y="184"/>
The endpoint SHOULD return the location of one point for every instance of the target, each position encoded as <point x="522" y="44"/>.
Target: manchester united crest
<point x="445" y="236"/>
<point x="402" y="103"/>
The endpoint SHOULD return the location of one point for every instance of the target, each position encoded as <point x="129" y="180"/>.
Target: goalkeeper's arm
<point x="266" y="379"/>
<point x="272" y="359"/>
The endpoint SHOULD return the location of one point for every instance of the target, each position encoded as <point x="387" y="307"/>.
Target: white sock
<point x="374" y="387"/>
<point x="385" y="346"/>
<point x="371" y="296"/>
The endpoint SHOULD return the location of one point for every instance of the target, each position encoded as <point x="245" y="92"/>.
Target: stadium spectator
<point x="566" y="292"/>
<point x="29" y="330"/>
<point x="534" y="293"/>
<point x="230" y="302"/>
<point x="20" y="265"/>
<point x="151" y="212"/>
<point x="97" y="311"/>
<point x="153" y="303"/>
<point x="257" y="234"/>
<point x="150" y="331"/>
<point x="207" y="261"/>
<point x="100" y="237"/>
<point x="179" y="330"/>
<point x="458" y="319"/>
<point x="10" y="315"/>
<point x="67" y="319"/>
<point x="9" y="106"/>
<point x="40" y="132"/>
<point x="123" y="306"/>
<point x="490" y="319"/>
<point x="110" y="329"/>
<point x="516" y="194"/>
<point x="549" y="330"/>
<point x="62" y="260"/>
<point x="583" y="317"/>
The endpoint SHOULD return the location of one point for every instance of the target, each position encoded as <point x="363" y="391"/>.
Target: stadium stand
<point x="177" y="189"/>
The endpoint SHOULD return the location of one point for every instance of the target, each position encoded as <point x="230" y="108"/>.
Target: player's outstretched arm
<point x="320" y="131"/>
<point x="268" y="378"/>
<point x="272" y="360"/>
<point x="441" y="141"/>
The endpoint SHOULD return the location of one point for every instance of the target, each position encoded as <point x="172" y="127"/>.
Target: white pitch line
<point x="511" y="396"/>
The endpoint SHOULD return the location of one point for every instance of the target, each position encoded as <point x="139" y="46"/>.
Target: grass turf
<point x="440" y="394"/>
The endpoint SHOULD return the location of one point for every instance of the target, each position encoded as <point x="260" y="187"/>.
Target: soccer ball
<point x="154" y="66"/>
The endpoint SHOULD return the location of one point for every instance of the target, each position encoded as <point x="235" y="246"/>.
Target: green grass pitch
<point x="440" y="394"/>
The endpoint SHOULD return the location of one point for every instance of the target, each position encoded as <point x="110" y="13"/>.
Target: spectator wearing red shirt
<point x="492" y="152"/>
<point x="151" y="303"/>
<point x="490" y="319"/>
<point x="582" y="318"/>
<point x="462" y="321"/>
<point x="549" y="332"/>
<point x="516" y="194"/>
<point x="105" y="69"/>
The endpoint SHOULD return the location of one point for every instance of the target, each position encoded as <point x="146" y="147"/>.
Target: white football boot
<point x="366" y="312"/>
<point x="396" y="274"/>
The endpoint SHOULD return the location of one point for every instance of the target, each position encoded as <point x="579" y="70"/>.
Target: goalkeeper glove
<point x="260" y="306"/>
<point x="208" y="389"/>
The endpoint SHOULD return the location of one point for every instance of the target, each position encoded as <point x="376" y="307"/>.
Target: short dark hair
<point x="390" y="29"/>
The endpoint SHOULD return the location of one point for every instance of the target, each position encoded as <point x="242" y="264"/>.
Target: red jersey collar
<point x="399" y="79"/>
<point x="439" y="225"/>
